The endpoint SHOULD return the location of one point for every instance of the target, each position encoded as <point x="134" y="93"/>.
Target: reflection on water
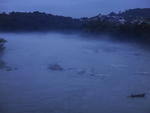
<point x="67" y="73"/>
<point x="3" y="65"/>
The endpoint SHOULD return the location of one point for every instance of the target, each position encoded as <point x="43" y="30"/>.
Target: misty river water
<point x="89" y="75"/>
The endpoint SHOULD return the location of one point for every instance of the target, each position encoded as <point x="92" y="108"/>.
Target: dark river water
<point x="68" y="73"/>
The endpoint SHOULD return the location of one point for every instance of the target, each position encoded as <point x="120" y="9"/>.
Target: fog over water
<point x="71" y="73"/>
<point x="51" y="72"/>
<point x="74" y="8"/>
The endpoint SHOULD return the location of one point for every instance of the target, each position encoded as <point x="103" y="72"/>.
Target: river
<point x="71" y="73"/>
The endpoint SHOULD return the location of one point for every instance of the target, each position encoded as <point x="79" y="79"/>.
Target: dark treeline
<point x="131" y="22"/>
<point x="36" y="21"/>
<point x="100" y="26"/>
<point x="136" y="13"/>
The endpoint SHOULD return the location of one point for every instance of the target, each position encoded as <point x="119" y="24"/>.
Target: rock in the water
<point x="8" y="68"/>
<point x="2" y="64"/>
<point x="55" y="67"/>
<point x="142" y="95"/>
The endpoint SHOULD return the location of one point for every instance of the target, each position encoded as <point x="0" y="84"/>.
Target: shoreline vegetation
<point x="2" y="42"/>
<point x="132" y="22"/>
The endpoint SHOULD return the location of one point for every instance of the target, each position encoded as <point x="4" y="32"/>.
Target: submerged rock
<point x="7" y="68"/>
<point x="81" y="72"/>
<point x="2" y="64"/>
<point x="55" y="67"/>
<point x="142" y="95"/>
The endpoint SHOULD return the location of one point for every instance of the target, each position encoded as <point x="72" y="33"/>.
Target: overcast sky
<point x="74" y="8"/>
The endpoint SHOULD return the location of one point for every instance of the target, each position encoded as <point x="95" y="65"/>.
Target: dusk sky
<point x="74" y="8"/>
